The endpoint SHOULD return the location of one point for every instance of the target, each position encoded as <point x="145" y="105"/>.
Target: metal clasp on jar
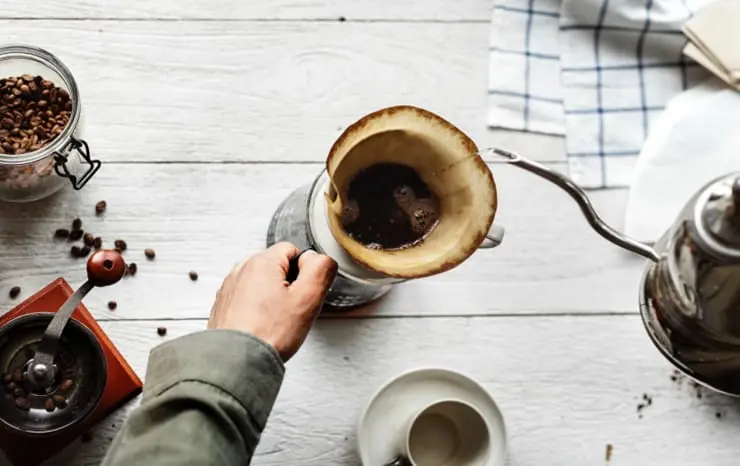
<point x="62" y="156"/>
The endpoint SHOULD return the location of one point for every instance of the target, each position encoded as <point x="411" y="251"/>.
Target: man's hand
<point x="256" y="298"/>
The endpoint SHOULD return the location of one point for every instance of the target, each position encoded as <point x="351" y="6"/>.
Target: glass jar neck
<point x="50" y="61"/>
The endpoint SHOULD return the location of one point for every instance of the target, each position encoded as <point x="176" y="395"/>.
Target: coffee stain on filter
<point x="447" y="161"/>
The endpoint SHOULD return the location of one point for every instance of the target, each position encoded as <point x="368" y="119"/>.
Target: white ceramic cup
<point x="448" y="433"/>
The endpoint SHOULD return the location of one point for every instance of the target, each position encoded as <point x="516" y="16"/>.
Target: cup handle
<point x="494" y="237"/>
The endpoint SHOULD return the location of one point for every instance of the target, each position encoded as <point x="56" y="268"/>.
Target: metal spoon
<point x="104" y="268"/>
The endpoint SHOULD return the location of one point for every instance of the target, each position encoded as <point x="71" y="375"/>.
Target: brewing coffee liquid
<point x="389" y="207"/>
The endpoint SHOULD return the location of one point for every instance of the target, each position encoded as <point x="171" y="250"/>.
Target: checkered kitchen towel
<point x="597" y="71"/>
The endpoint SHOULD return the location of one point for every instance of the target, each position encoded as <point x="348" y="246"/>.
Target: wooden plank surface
<point x="409" y="10"/>
<point x="264" y="91"/>
<point x="208" y="114"/>
<point x="567" y="386"/>
<point x="207" y="217"/>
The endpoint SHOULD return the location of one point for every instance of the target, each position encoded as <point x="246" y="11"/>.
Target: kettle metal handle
<point x="581" y="199"/>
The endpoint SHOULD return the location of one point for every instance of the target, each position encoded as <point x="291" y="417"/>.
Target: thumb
<point x="316" y="273"/>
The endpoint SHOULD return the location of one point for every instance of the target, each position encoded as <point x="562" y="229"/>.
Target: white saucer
<point x="382" y="425"/>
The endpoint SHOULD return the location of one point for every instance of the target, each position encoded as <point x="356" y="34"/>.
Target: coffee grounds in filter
<point x="389" y="207"/>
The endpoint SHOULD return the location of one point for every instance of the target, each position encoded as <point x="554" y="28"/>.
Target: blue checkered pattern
<point x="598" y="72"/>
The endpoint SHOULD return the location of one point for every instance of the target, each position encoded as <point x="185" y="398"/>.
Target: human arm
<point x="208" y="395"/>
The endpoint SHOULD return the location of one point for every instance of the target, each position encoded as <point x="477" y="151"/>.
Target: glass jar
<point x="35" y="175"/>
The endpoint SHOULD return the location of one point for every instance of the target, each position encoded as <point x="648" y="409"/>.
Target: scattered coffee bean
<point x="646" y="401"/>
<point x="17" y="376"/>
<point x="49" y="405"/>
<point x="162" y="331"/>
<point x="132" y="269"/>
<point x="77" y="224"/>
<point x="14" y="292"/>
<point x="697" y="389"/>
<point x="76" y="251"/>
<point x="19" y="392"/>
<point x="23" y="403"/>
<point x="60" y="401"/>
<point x="66" y="385"/>
<point x="7" y="378"/>
<point x="150" y="254"/>
<point x="98" y="243"/>
<point x="112" y="305"/>
<point x="61" y="233"/>
<point x="10" y="386"/>
<point x="85" y="251"/>
<point x="193" y="275"/>
<point x="89" y="239"/>
<point x="75" y="235"/>
<point x="120" y="244"/>
<point x="100" y="207"/>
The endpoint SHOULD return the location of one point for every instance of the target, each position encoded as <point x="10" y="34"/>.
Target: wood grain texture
<point x="256" y="81"/>
<point x="410" y="10"/>
<point x="209" y="217"/>
<point x="265" y="91"/>
<point x="567" y="386"/>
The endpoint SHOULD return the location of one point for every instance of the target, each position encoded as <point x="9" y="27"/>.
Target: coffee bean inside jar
<point x="34" y="111"/>
<point x="40" y="149"/>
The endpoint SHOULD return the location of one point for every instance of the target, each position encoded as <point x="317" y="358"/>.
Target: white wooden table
<point x="207" y="114"/>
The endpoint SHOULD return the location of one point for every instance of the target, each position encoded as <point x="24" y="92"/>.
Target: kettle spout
<point x="566" y="184"/>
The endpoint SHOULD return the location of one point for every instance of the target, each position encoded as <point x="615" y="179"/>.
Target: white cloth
<point x="599" y="72"/>
<point x="696" y="140"/>
<point x="714" y="34"/>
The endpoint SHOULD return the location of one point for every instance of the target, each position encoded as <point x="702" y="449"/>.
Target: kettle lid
<point x="717" y="216"/>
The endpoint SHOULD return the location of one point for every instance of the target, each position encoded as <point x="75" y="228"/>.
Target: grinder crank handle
<point x="581" y="199"/>
<point x="104" y="268"/>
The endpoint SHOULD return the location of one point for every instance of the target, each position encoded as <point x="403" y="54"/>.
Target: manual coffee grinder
<point x="61" y="373"/>
<point x="444" y="157"/>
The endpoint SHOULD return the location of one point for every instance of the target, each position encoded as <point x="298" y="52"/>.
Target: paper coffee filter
<point x="445" y="158"/>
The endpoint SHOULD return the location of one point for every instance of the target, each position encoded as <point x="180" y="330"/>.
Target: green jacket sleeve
<point x="206" y="400"/>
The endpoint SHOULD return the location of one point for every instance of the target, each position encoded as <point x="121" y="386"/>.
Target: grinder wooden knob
<point x="105" y="267"/>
